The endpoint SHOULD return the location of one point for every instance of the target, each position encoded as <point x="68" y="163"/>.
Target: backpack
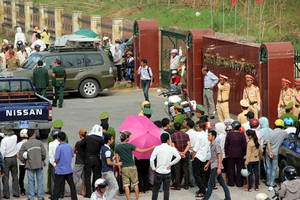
<point x="149" y="74"/>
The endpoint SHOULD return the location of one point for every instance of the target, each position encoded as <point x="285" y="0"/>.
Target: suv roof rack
<point x="72" y="49"/>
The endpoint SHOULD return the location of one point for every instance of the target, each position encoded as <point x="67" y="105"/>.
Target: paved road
<point x="78" y="113"/>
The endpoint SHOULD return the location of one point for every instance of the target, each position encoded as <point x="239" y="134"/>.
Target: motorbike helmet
<point x="55" y="132"/>
<point x="254" y="123"/>
<point x="19" y="43"/>
<point x="26" y="43"/>
<point x="174" y="51"/>
<point x="124" y="135"/>
<point x="101" y="183"/>
<point x="10" y="46"/>
<point x="145" y="104"/>
<point x="279" y="123"/>
<point x="245" y="172"/>
<point x="288" y="121"/>
<point x="174" y="72"/>
<point x="289" y="172"/>
<point x="236" y="125"/>
<point x="25" y="155"/>
<point x="37" y="46"/>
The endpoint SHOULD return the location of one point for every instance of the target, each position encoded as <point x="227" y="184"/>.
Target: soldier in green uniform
<point x="179" y="117"/>
<point x="289" y="113"/>
<point x="57" y="124"/>
<point x="40" y="78"/>
<point x="104" y="118"/>
<point x="147" y="112"/>
<point x="59" y="76"/>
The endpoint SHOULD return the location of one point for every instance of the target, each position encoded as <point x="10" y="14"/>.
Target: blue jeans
<point x="272" y="164"/>
<point x="191" y="174"/>
<point x="253" y="169"/>
<point x="212" y="182"/>
<point x="129" y="74"/>
<point x="146" y="86"/>
<point x="31" y="182"/>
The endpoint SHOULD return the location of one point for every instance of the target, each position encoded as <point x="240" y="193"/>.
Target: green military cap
<point x="147" y="111"/>
<point x="200" y="108"/>
<point x="103" y="115"/>
<point x="58" y="124"/>
<point x="178" y="106"/>
<point x="289" y="105"/>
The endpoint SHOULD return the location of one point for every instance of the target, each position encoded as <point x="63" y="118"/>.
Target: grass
<point x="281" y="18"/>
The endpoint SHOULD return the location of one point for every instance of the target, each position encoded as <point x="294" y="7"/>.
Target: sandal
<point x="256" y="189"/>
<point x="215" y="188"/>
<point x="199" y="195"/>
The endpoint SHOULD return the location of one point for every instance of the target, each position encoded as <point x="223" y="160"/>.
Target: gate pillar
<point x="195" y="56"/>
<point x="146" y="46"/>
<point x="277" y="62"/>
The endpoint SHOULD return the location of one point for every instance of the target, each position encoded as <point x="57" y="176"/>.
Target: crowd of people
<point x="13" y="55"/>
<point x="190" y="155"/>
<point x="193" y="153"/>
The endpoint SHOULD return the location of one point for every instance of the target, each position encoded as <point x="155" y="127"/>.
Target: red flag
<point x="234" y="1"/>
<point x="259" y="1"/>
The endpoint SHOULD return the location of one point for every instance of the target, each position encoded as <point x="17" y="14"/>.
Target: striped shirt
<point x="210" y="80"/>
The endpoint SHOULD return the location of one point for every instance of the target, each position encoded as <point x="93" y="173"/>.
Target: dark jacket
<point x="92" y="145"/>
<point x="2" y="166"/>
<point x="235" y="145"/>
<point x="40" y="77"/>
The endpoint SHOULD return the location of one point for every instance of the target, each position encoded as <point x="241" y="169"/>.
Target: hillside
<point x="280" y="18"/>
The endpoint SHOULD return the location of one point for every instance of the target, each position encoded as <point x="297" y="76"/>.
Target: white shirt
<point x="290" y="130"/>
<point x="96" y="196"/>
<point x="39" y="42"/>
<point x="22" y="56"/>
<point x="164" y="154"/>
<point x="143" y="71"/>
<point x="2" y="61"/>
<point x="52" y="148"/>
<point x="192" y="134"/>
<point x="210" y="80"/>
<point x="221" y="138"/>
<point x="19" y="145"/>
<point x="174" y="62"/>
<point x="9" y="146"/>
<point x="246" y="126"/>
<point x="202" y="146"/>
<point x="259" y="136"/>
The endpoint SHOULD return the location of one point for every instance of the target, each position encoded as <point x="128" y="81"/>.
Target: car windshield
<point x="31" y="61"/>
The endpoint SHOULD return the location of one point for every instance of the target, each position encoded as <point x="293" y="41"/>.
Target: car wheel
<point x="282" y="165"/>
<point x="89" y="88"/>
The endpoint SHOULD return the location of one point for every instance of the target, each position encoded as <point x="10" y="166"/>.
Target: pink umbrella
<point x="144" y="134"/>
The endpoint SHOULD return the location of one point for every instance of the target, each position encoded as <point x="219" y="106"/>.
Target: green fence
<point x="170" y="40"/>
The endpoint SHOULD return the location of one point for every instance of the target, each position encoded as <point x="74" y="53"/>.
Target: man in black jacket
<point x="92" y="143"/>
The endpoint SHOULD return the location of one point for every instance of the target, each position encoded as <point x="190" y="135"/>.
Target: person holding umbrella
<point x="123" y="152"/>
